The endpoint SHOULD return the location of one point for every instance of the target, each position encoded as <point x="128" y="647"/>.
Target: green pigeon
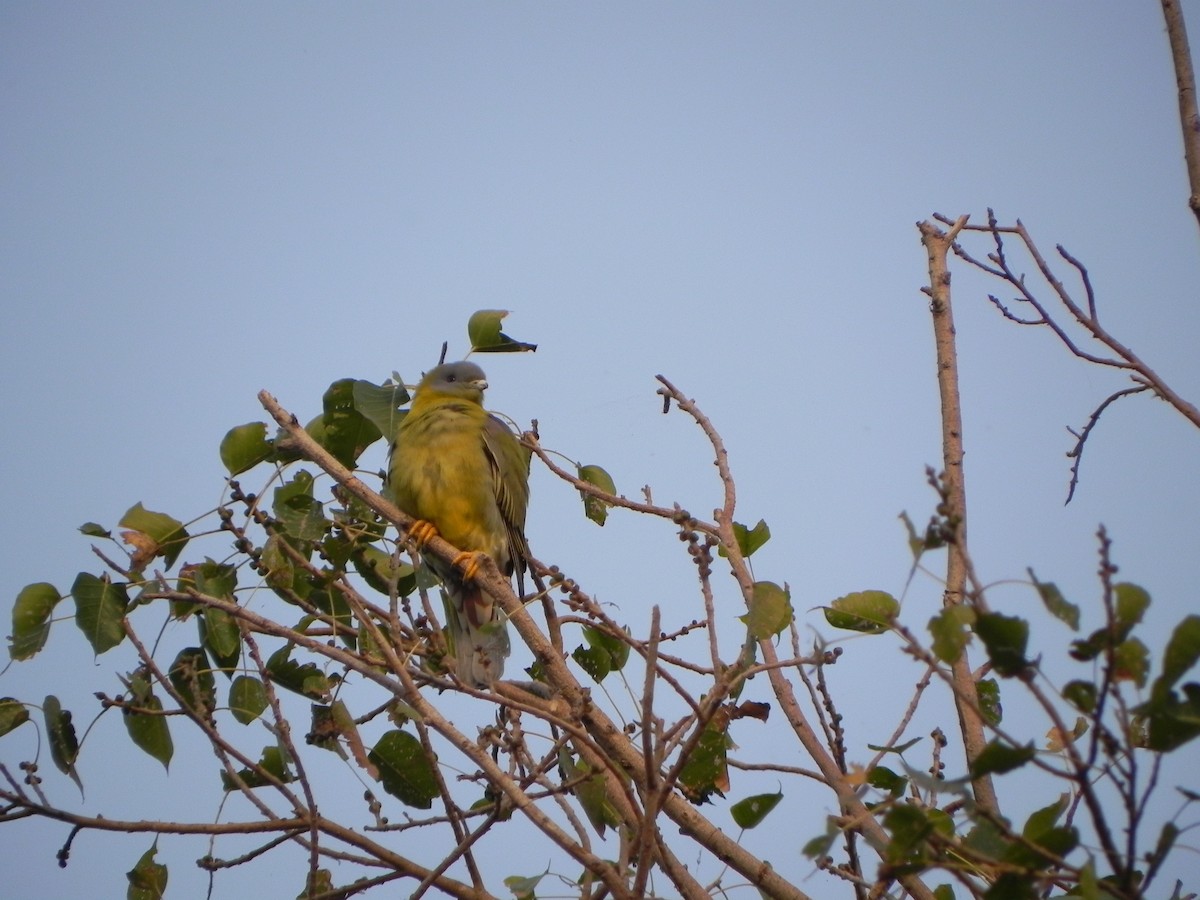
<point x="462" y="473"/>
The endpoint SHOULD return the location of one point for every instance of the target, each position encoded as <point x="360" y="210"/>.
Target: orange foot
<point x="469" y="561"/>
<point x="420" y="531"/>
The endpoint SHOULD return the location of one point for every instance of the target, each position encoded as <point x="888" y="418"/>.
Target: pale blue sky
<point x="200" y="201"/>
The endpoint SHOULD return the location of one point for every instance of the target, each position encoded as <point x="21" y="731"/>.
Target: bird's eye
<point x="452" y="378"/>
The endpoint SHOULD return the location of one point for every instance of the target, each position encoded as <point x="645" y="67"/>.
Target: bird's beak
<point x="480" y="383"/>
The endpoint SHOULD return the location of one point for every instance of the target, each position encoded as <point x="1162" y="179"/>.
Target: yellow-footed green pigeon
<point x="462" y="470"/>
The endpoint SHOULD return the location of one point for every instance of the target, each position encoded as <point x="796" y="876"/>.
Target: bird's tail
<point x="477" y="633"/>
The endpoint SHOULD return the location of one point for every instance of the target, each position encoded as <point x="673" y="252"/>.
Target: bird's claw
<point x="420" y="532"/>
<point x="469" y="562"/>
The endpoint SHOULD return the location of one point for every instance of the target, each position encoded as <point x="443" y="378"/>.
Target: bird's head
<point x="456" y="379"/>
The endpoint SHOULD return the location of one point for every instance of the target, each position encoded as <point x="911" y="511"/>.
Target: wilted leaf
<point x="31" y="619"/>
<point x="404" y="769"/>
<point x="244" y="447"/>
<point x="168" y="534"/>
<point x="870" y="612"/>
<point x="1056" y="740"/>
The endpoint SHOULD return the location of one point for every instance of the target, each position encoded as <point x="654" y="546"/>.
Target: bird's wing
<point x="509" y="461"/>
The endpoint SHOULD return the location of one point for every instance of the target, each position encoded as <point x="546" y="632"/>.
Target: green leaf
<point x="1183" y="649"/>
<point x="524" y="886"/>
<point x="483" y="330"/>
<point x="167" y="534"/>
<point x="910" y="830"/>
<point x="301" y="516"/>
<point x="335" y="606"/>
<point x="988" y="690"/>
<point x="706" y="770"/>
<point x="380" y="570"/>
<point x="603" y="654"/>
<point x="997" y="758"/>
<point x="749" y="812"/>
<point x="593" y="507"/>
<point x="305" y="679"/>
<point x="1010" y="886"/>
<point x="219" y="631"/>
<point x="245" y="446"/>
<point x="748" y="539"/>
<point x="148" y="879"/>
<point x="192" y="677"/>
<point x="770" y="611"/>
<point x="943" y="892"/>
<point x="13" y="714"/>
<point x="1055" y="603"/>
<point x="91" y="529"/>
<point x="1132" y="603"/>
<point x="64" y="747"/>
<point x="380" y="404"/>
<point x="1041" y="829"/>
<point x="31" y="619"/>
<point x="593" y="661"/>
<point x="247" y="699"/>
<point x="100" y="610"/>
<point x="404" y="770"/>
<point x="886" y="780"/>
<point x="949" y="630"/>
<point x="869" y="612"/>
<point x="591" y="789"/>
<point x="148" y="731"/>
<point x="1131" y="662"/>
<point x="272" y="765"/>
<point x="317" y="884"/>
<point x="345" y="431"/>
<point x="819" y="846"/>
<point x="1081" y="694"/>
<point x="987" y="840"/>
<point x="1172" y="722"/>
<point x="1005" y="638"/>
